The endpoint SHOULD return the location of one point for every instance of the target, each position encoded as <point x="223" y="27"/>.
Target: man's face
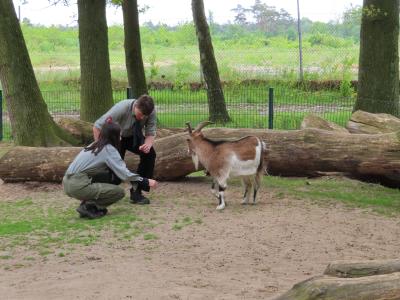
<point x="138" y="114"/>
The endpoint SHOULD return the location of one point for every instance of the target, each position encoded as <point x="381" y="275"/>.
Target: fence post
<point x="128" y="92"/>
<point x="300" y="42"/>
<point x="271" y="108"/>
<point x="1" y="115"/>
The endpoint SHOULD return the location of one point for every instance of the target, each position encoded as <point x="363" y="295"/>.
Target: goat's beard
<point x="195" y="159"/>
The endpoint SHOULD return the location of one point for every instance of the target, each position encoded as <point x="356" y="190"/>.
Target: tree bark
<point x="96" y="90"/>
<point x="362" y="268"/>
<point x="31" y="122"/>
<point x="382" y="287"/>
<point x="314" y="121"/>
<point x="365" y="122"/>
<point x="82" y="130"/>
<point x="133" y="49"/>
<point x="216" y="101"/>
<point x="290" y="153"/>
<point x="378" y="75"/>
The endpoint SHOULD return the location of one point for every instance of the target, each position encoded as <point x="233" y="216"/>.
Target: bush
<point x="319" y="39"/>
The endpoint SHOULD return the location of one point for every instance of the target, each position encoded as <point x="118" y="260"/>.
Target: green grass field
<point x="172" y="57"/>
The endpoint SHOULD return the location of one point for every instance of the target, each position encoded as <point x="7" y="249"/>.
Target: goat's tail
<point x="262" y="165"/>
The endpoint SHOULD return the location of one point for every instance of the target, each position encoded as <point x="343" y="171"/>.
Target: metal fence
<point x="280" y="107"/>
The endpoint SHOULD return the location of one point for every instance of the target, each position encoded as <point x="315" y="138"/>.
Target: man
<point x="133" y="115"/>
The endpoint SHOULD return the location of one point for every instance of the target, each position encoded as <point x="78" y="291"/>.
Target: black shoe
<point x="89" y="211"/>
<point x="103" y="211"/>
<point x="138" y="198"/>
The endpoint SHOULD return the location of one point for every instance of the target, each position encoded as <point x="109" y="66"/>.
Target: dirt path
<point x="244" y="252"/>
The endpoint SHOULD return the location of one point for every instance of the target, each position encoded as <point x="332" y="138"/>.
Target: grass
<point x="26" y="223"/>
<point x="41" y="227"/>
<point x="330" y="190"/>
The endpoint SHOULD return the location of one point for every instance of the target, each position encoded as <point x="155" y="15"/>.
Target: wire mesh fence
<point x="248" y="107"/>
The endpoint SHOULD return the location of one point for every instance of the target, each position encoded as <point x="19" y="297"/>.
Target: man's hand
<point x="145" y="148"/>
<point x="148" y="143"/>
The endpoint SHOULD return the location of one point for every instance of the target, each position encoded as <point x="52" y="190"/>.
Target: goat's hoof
<point x="221" y="207"/>
<point x="244" y="202"/>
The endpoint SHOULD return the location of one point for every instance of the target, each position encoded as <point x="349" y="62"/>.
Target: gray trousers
<point x="80" y="186"/>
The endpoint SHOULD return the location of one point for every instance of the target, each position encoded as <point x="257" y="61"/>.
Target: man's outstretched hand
<point x="145" y="148"/>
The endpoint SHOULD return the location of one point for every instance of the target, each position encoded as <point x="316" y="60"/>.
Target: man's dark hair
<point x="145" y="104"/>
<point x="109" y="134"/>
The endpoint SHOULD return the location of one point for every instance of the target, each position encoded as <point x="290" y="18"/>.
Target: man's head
<point x="144" y="106"/>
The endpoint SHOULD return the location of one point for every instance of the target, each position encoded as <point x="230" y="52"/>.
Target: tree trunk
<point x="314" y="121"/>
<point x="364" y="122"/>
<point x="362" y="268"/>
<point x="96" y="90"/>
<point x="133" y="49"/>
<point x="378" y="75"/>
<point x="382" y="287"/>
<point x="290" y="153"/>
<point x="82" y="130"/>
<point x="31" y="122"/>
<point x="216" y="102"/>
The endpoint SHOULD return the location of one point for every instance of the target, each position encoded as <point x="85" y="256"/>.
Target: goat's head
<point x="195" y="136"/>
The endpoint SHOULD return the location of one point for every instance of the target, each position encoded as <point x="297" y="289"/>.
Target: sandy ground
<point x="244" y="252"/>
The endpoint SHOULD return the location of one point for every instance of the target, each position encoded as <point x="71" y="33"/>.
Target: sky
<point x="173" y="12"/>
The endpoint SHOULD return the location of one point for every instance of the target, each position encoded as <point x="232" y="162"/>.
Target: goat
<point x="222" y="159"/>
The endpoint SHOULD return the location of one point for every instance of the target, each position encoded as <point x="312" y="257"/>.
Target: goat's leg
<point x="213" y="190"/>
<point x="221" y="189"/>
<point x="246" y="183"/>
<point x="256" y="186"/>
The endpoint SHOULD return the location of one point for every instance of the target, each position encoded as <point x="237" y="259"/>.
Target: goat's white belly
<point x="243" y="168"/>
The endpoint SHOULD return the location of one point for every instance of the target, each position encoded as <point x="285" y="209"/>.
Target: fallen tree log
<point x="314" y="121"/>
<point x="290" y="153"/>
<point x="362" y="268"/>
<point x="369" y="123"/>
<point x="362" y="280"/>
<point x="380" y="287"/>
<point x="82" y="130"/>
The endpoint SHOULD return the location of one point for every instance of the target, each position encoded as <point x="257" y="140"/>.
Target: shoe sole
<point x="139" y="203"/>
<point x="84" y="214"/>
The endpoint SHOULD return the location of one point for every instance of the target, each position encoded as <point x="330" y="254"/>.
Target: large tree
<point x="31" y="122"/>
<point x="378" y="75"/>
<point x="96" y="90"/>
<point x="269" y="20"/>
<point x="133" y="48"/>
<point x="216" y="101"/>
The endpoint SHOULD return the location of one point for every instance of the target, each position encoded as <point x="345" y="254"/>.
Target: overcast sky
<point x="178" y="11"/>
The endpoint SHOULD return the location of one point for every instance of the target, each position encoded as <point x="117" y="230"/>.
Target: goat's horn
<point x="189" y="127"/>
<point x="203" y="124"/>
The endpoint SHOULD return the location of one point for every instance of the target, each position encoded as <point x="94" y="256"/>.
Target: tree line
<point x="32" y="124"/>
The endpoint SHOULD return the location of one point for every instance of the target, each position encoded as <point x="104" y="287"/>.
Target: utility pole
<point x="300" y="42"/>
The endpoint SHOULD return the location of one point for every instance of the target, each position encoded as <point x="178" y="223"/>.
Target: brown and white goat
<point x="223" y="159"/>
